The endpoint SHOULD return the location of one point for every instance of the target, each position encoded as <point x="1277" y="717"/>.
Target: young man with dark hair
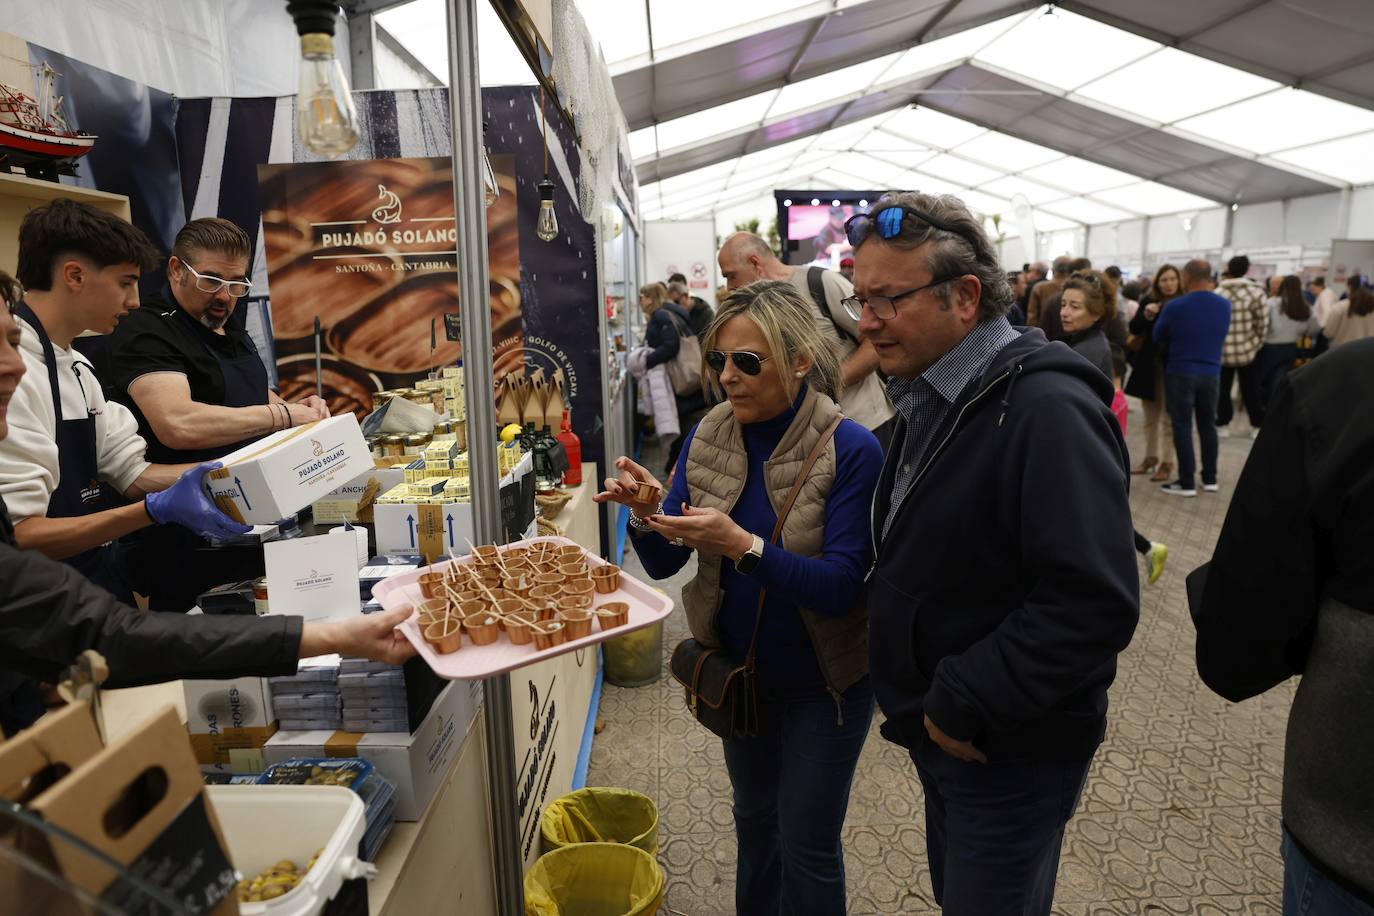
<point x="73" y="468"/>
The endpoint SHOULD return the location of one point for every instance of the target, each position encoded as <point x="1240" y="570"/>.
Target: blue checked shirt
<point x="925" y="402"/>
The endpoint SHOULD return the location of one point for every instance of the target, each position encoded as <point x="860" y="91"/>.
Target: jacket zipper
<point x="872" y="506"/>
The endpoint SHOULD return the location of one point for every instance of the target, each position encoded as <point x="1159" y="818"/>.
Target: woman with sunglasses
<point x="1087" y="302"/>
<point x="668" y="322"/>
<point x="791" y="780"/>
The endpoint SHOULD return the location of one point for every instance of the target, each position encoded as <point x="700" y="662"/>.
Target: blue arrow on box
<point x="242" y="495"/>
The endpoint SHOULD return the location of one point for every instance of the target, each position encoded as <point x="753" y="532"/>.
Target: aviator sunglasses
<point x="745" y="361"/>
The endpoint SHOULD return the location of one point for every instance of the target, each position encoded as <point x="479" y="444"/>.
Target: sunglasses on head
<point x="745" y="361"/>
<point x="889" y="221"/>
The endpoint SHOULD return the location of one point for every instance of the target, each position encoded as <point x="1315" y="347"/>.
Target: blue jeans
<point x="993" y="831"/>
<point x="1308" y="891"/>
<point x="1188" y="396"/>
<point x="791" y="785"/>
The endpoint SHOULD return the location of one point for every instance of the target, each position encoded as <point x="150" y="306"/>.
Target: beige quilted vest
<point x="716" y="470"/>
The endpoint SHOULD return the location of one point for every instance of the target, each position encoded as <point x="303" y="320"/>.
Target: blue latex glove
<point x="185" y="503"/>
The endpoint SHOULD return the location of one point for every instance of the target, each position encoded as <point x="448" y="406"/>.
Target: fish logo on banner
<point x="389" y="211"/>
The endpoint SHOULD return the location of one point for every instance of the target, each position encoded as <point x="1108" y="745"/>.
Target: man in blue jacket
<point x="1194" y="327"/>
<point x="1005" y="581"/>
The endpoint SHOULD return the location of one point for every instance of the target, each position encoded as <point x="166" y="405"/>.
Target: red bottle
<point x="573" y="447"/>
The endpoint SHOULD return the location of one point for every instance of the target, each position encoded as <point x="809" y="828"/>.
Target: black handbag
<point x="721" y="691"/>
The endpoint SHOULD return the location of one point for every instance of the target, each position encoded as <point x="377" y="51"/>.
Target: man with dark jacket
<point x="50" y="613"/>
<point x="997" y="604"/>
<point x="1290" y="591"/>
<point x="699" y="314"/>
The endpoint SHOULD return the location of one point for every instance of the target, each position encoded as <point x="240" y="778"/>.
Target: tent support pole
<point x="465" y="108"/>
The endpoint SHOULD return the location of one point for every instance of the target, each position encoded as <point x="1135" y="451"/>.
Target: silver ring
<point x="679" y="542"/>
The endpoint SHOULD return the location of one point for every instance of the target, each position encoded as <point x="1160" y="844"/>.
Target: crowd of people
<point x="899" y="547"/>
<point x="862" y="471"/>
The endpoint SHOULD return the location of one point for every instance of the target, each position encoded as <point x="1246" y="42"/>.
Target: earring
<point x="801" y="374"/>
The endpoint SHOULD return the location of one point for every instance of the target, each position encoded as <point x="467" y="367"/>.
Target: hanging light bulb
<point x="546" y="227"/>
<point x="326" y="118"/>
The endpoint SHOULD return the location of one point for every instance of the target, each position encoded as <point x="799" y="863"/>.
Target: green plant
<point x="774" y="240"/>
<point x="749" y="225"/>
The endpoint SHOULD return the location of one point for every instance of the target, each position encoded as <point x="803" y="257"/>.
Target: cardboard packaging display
<point x="141" y="802"/>
<point x="533" y="399"/>
<point x="351" y="502"/>
<point x="416" y="763"/>
<point x="213" y="707"/>
<point x="30" y="763"/>
<point x="281" y="474"/>
<point x="58" y="743"/>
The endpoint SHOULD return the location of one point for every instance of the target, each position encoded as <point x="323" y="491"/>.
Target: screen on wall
<point x="811" y="225"/>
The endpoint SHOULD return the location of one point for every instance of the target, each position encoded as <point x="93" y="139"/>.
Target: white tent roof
<point x="1095" y="113"/>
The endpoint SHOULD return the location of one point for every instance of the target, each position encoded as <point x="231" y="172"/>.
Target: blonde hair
<point x="656" y="294"/>
<point x="785" y="319"/>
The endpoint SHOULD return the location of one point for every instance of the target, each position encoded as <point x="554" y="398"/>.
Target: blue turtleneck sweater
<point x="828" y="584"/>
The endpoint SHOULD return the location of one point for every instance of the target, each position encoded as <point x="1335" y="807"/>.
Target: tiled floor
<point x="1180" y="813"/>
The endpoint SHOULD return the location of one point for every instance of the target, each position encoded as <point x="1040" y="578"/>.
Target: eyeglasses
<point x="884" y="307"/>
<point x="208" y="284"/>
<point x="889" y="222"/>
<point x="746" y="362"/>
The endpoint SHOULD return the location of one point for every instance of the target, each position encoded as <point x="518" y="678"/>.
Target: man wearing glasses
<point x="193" y="379"/>
<point x="198" y="389"/>
<point x="1004" y="581"/>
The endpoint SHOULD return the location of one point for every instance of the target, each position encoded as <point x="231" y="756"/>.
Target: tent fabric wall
<point x="185" y="47"/>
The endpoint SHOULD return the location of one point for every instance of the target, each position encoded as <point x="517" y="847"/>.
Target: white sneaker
<point x="1210" y="487"/>
<point x="1178" y="489"/>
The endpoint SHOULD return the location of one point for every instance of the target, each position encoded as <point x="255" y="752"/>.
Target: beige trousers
<point x="1157" y="418"/>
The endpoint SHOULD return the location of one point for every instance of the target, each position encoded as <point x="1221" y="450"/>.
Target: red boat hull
<point x="35" y="144"/>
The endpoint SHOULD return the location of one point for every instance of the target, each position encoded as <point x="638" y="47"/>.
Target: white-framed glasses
<point x="208" y="284"/>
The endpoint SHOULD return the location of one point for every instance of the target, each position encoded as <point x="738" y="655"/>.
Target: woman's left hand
<point x="707" y="530"/>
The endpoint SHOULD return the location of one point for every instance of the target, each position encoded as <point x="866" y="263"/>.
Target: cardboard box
<point x="56" y="744"/>
<point x="283" y="473"/>
<point x="213" y="707"/>
<point x="424" y="529"/>
<point x="233" y="748"/>
<point x="349" y="502"/>
<point x="416" y="763"/>
<point x="142" y="803"/>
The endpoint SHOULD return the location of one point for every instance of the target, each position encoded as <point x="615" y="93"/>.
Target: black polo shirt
<point x="161" y="337"/>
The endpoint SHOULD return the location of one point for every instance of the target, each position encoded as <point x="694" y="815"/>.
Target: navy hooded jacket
<point x="1007" y="583"/>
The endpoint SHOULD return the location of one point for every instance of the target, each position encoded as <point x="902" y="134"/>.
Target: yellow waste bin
<point x="635" y="659"/>
<point x="594" y="879"/>
<point x="601" y="814"/>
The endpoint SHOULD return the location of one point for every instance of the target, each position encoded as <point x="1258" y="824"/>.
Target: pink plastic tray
<point x="647" y="606"/>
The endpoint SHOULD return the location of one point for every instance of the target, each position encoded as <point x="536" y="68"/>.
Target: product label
<point x="318" y="464"/>
<point x="185" y="863"/>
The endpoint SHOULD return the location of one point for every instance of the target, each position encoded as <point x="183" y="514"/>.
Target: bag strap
<point x="782" y="517"/>
<point x="816" y="284"/>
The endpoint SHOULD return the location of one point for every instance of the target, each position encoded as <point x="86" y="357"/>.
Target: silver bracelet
<point x="639" y="524"/>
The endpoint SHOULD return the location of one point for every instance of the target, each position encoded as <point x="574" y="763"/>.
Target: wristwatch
<point x="751" y="558"/>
